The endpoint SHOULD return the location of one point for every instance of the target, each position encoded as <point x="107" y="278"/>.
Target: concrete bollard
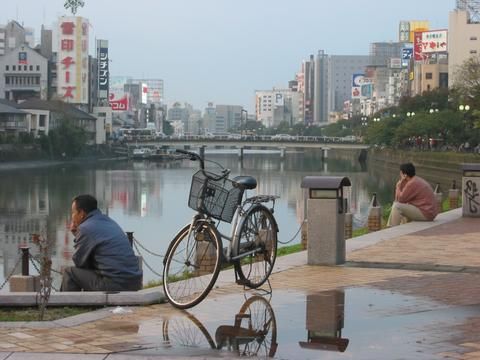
<point x="374" y="215"/>
<point x="453" y="196"/>
<point x="348" y="225"/>
<point x="24" y="282"/>
<point x="438" y="196"/>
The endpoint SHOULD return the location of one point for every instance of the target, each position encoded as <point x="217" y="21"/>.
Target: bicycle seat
<point x="247" y="182"/>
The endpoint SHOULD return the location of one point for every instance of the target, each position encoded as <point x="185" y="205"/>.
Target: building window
<point x="37" y="81"/>
<point x="7" y="80"/>
<point x="14" y="68"/>
<point x="6" y="67"/>
<point x="473" y="51"/>
<point x="31" y="67"/>
<point x="38" y="67"/>
<point x="25" y="67"/>
<point x="428" y="76"/>
<point x="473" y="38"/>
<point x="41" y="121"/>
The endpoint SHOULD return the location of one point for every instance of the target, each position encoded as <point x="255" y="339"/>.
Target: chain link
<point x="11" y="272"/>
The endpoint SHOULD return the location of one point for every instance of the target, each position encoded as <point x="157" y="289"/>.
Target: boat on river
<point x="155" y="154"/>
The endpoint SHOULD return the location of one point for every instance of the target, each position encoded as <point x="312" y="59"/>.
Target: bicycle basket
<point x="217" y="199"/>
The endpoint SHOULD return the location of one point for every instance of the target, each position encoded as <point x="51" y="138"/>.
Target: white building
<point x="463" y="40"/>
<point x="23" y="74"/>
<point x="278" y="105"/>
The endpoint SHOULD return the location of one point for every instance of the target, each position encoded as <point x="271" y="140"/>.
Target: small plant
<point x="45" y="273"/>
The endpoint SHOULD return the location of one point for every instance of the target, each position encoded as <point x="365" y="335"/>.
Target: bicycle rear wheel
<point x="192" y="264"/>
<point x="258" y="235"/>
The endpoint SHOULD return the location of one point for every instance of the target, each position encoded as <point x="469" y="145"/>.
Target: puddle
<point x="355" y="323"/>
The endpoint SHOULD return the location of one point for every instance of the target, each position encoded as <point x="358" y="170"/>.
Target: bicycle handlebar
<point x="194" y="157"/>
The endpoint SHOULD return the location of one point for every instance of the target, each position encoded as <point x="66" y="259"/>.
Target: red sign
<point x="418" y="53"/>
<point x="67" y="28"/>
<point x="68" y="91"/>
<point x="120" y="104"/>
<point x="67" y="44"/>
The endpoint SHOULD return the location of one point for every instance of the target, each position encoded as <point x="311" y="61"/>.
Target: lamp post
<point x="464" y="109"/>
<point x="376" y="119"/>
<point x="410" y="114"/>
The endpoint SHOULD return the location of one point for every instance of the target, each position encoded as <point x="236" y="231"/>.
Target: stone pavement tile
<point x="54" y="356"/>
<point x="4" y="355"/>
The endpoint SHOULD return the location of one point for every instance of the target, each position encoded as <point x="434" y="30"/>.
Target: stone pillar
<point x="438" y="196"/>
<point x="374" y="215"/>
<point x="205" y="257"/>
<point x="453" y="196"/>
<point x="21" y="283"/>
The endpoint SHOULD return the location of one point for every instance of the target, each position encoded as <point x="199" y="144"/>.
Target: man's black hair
<point x="85" y="202"/>
<point x="408" y="169"/>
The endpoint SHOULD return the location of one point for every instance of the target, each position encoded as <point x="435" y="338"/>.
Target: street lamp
<point x="464" y="108"/>
<point x="376" y="119"/>
<point x="431" y="111"/>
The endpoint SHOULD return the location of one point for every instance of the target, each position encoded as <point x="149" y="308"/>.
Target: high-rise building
<point x="13" y="35"/>
<point x="463" y="35"/>
<point x="321" y="87"/>
<point x="155" y="90"/>
<point x="277" y="105"/>
<point x="228" y="117"/>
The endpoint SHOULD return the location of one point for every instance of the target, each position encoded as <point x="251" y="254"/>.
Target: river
<point x="150" y="198"/>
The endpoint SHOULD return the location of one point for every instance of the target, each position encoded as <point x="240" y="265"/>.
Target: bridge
<point x="242" y="144"/>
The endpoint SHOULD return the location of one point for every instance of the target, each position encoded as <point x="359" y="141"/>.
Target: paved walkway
<point x="429" y="272"/>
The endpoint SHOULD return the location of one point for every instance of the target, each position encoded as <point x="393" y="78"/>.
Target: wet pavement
<point x="313" y="312"/>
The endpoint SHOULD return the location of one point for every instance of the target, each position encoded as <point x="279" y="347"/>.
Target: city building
<point x="321" y="89"/>
<point x="23" y="74"/>
<point x="13" y="35"/>
<point x="47" y="115"/>
<point x="155" y="90"/>
<point x="342" y="69"/>
<point x="209" y="119"/>
<point x="13" y="121"/>
<point x="228" y="117"/>
<point x="273" y="107"/>
<point x="463" y="35"/>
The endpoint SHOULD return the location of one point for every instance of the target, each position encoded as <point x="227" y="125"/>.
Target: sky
<point x="223" y="50"/>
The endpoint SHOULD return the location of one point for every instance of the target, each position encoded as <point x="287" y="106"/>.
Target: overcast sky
<point x="224" y="50"/>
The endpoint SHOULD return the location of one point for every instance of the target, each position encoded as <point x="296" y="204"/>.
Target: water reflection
<point x="150" y="198"/>
<point x="325" y="321"/>
<point x="253" y="333"/>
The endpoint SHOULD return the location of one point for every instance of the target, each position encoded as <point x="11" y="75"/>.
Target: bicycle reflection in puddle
<point x="253" y="333"/>
<point x="254" y="329"/>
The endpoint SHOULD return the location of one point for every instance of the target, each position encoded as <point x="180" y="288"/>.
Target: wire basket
<point x="216" y="198"/>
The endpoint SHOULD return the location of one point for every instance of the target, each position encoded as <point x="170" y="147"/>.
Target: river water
<point x="150" y="198"/>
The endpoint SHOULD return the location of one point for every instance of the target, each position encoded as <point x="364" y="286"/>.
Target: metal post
<point x="130" y="237"/>
<point x="25" y="260"/>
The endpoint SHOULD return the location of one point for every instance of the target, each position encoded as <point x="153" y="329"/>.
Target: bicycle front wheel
<point x="258" y="241"/>
<point x="192" y="264"/>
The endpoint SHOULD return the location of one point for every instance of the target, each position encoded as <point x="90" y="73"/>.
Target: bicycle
<point x="195" y="256"/>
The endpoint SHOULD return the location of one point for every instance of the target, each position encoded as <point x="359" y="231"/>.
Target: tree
<point x="66" y="140"/>
<point x="466" y="80"/>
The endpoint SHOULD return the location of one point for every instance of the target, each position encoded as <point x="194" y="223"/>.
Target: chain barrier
<point x="144" y="248"/>
<point x="294" y="236"/>
<point x="35" y="265"/>
<point x="11" y="272"/>
<point x="144" y="261"/>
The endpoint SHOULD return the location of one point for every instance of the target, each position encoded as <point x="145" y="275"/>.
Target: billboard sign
<point x="395" y="63"/>
<point x="72" y="63"/>
<point x="434" y="41"/>
<point x="103" y="74"/>
<point x="279" y="99"/>
<point x="356" y="92"/>
<point x="417" y="47"/>
<point x="358" y="79"/>
<point x="404" y="31"/>
<point x="118" y="97"/>
<point x="144" y="97"/>
<point x="366" y="90"/>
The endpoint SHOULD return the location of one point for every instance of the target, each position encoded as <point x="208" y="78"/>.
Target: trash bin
<point x="325" y="219"/>
<point x="471" y="190"/>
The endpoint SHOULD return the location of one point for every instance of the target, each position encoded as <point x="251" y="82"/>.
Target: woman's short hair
<point x="408" y="169"/>
<point x="85" y="202"/>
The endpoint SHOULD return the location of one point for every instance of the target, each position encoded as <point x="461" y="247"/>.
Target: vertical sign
<point x="72" y="63"/>
<point x="103" y="73"/>
<point x="22" y="57"/>
<point x="417" y="46"/>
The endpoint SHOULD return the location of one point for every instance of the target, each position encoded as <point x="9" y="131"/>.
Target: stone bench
<point x="149" y="296"/>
